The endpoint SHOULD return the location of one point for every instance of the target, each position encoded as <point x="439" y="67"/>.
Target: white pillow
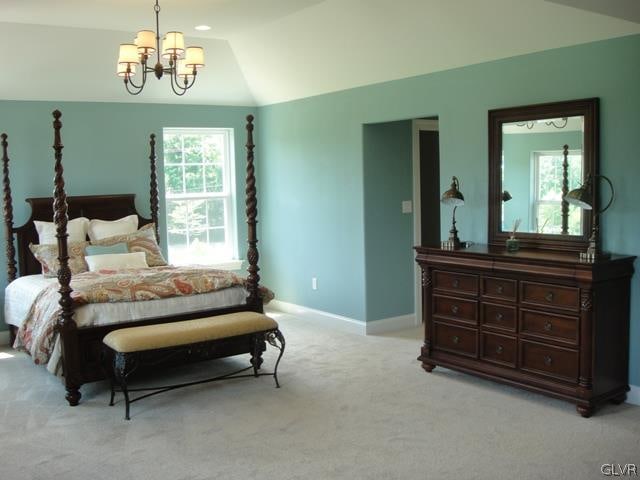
<point x="116" y="261"/>
<point x="76" y="228"/>
<point x="99" y="229"/>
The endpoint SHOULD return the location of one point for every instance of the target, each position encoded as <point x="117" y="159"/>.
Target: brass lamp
<point x="584" y="198"/>
<point x="454" y="197"/>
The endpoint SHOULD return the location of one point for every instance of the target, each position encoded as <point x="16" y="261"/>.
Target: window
<point x="199" y="192"/>
<point x="547" y="192"/>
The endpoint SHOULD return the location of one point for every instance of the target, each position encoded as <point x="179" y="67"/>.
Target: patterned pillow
<point x="144" y="240"/>
<point x="47" y="255"/>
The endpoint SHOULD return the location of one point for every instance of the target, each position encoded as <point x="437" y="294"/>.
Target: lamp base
<point x="592" y="256"/>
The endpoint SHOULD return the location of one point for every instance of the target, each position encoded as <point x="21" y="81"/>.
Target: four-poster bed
<point x="81" y="346"/>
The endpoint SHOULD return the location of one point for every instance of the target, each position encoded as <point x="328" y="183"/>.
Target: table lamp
<point x="454" y="197"/>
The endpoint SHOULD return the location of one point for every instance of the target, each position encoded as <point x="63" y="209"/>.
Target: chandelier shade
<point x="183" y="62"/>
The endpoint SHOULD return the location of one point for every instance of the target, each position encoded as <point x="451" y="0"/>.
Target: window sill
<point x="228" y="265"/>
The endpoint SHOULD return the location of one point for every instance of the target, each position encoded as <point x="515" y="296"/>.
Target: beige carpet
<point x="350" y="407"/>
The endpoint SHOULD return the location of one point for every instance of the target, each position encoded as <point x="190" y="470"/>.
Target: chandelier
<point x="183" y="65"/>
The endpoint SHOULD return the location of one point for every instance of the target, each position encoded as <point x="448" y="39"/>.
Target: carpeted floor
<point x="350" y="407"/>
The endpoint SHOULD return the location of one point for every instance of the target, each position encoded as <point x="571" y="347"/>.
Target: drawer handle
<point x="500" y="289"/>
<point x="549" y="297"/>
<point x="455" y="309"/>
<point x="455" y="283"/>
<point x="499" y="349"/>
<point x="499" y="317"/>
<point x="548" y="360"/>
<point x="548" y="326"/>
<point x="455" y="339"/>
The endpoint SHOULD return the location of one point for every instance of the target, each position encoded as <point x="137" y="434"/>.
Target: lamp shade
<point x="194" y="57"/>
<point x="453" y="196"/>
<point x="122" y="69"/>
<point x="581" y="197"/>
<point x="128" y="53"/>
<point x="184" y="71"/>
<point x="506" y="196"/>
<point x="146" y="41"/>
<point x="173" y="44"/>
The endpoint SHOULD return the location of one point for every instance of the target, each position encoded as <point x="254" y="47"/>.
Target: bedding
<point x="99" y="229"/>
<point x="47" y="255"/>
<point x="108" y="297"/>
<point x="143" y="240"/>
<point x="116" y="261"/>
<point x="76" y="229"/>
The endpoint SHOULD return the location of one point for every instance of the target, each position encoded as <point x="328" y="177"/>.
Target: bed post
<point x="154" y="184"/>
<point x="252" y="212"/>
<point x="66" y="326"/>
<point x="8" y="212"/>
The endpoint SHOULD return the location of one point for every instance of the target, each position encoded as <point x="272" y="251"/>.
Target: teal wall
<point x="517" y="149"/>
<point x="313" y="180"/>
<point x="388" y="233"/>
<point x="106" y="150"/>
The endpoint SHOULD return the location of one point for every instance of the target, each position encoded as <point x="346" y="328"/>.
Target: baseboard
<point x="323" y="319"/>
<point x="4" y="338"/>
<point x="633" y="396"/>
<point x="392" y="324"/>
<point x="345" y="324"/>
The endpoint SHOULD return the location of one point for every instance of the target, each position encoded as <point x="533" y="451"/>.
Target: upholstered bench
<point x="136" y="347"/>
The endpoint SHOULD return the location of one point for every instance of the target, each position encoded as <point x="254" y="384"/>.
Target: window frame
<point x="535" y="183"/>
<point x="228" y="195"/>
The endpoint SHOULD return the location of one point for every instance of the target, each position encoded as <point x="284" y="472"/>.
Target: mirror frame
<point x="588" y="108"/>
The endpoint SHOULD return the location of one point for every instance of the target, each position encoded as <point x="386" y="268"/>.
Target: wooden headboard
<point x="102" y="207"/>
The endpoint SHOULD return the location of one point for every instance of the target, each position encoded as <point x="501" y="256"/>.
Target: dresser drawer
<point x="452" y="338"/>
<point x="499" y="316"/>
<point x="455" y="282"/>
<point x="498" y="349"/>
<point x="454" y="308"/>
<point x="567" y="298"/>
<point x="556" y="362"/>
<point x="557" y="327"/>
<point x="500" y="288"/>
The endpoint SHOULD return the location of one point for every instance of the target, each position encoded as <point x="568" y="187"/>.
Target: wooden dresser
<point x="533" y="319"/>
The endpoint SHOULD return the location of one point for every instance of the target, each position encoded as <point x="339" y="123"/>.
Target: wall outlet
<point x="314" y="283"/>
<point x="407" y="207"/>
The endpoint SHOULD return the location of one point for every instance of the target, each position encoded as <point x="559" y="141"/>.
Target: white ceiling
<point x="268" y="51"/>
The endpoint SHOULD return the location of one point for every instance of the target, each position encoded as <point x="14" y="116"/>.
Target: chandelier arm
<point x="174" y="84"/>
<point x="132" y="92"/>
<point x="133" y="84"/>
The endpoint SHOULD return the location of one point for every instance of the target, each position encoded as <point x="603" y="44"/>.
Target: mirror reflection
<point x="542" y="160"/>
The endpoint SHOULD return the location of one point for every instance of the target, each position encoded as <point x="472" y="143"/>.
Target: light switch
<point x="406" y="206"/>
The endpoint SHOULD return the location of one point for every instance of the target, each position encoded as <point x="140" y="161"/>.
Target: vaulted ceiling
<point x="268" y="51"/>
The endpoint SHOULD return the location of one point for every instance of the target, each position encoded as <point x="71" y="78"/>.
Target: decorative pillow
<point x="99" y="229"/>
<point x="106" y="249"/>
<point x="116" y="261"/>
<point x="76" y="228"/>
<point x="144" y="240"/>
<point x="47" y="255"/>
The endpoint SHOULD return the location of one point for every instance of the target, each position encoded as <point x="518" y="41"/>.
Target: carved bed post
<point x="252" y="212"/>
<point x="66" y="325"/>
<point x="153" y="184"/>
<point x="565" y="190"/>
<point x="8" y="212"/>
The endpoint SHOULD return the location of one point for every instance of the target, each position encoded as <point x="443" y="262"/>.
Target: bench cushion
<point x="164" y="335"/>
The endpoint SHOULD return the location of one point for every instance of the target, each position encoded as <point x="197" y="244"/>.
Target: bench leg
<point x="123" y="365"/>
<point x="276" y="339"/>
<point x="256" y="353"/>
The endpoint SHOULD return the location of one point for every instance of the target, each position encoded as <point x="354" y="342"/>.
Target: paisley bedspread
<point x="37" y="334"/>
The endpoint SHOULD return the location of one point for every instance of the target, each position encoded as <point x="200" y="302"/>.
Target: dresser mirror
<point x="537" y="154"/>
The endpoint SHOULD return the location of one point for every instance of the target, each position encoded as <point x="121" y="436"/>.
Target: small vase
<point x="512" y="244"/>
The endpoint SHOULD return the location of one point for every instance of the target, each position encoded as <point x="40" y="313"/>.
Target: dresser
<point x="532" y="319"/>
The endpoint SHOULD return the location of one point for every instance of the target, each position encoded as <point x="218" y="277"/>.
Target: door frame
<point x="418" y="125"/>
